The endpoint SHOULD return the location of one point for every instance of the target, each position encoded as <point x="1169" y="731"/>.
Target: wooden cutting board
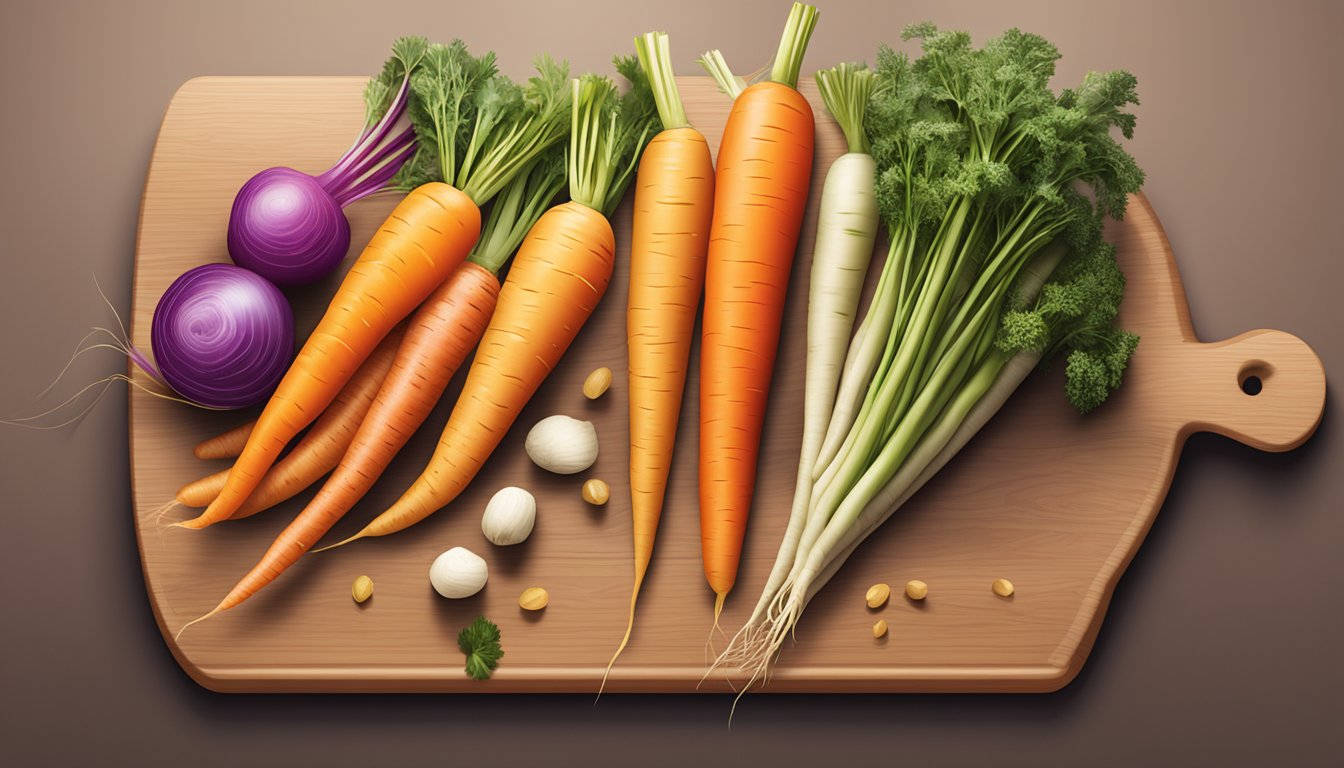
<point x="1053" y="501"/>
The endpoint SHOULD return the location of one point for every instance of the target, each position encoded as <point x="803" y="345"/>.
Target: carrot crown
<point x="607" y="134"/>
<point x="793" y="44"/>
<point x="655" y="57"/>
<point x="788" y="59"/>
<point x="477" y="128"/>
<point x="845" y="89"/>
<point x="520" y="203"/>
<point x="514" y="126"/>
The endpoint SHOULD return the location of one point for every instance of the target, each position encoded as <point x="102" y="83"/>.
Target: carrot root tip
<point x="356" y="537"/>
<point x="194" y="621"/>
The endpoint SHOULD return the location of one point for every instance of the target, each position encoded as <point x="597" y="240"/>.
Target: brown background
<point x="1221" y="645"/>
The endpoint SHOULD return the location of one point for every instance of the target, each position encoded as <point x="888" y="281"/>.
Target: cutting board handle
<point x="1263" y="388"/>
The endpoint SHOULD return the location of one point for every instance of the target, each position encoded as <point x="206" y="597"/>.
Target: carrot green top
<point x="522" y="201"/>
<point x="845" y="89"/>
<point x="793" y="44"/>
<point x="607" y="134"/>
<point x="788" y="59"/>
<point x="655" y="56"/>
<point x="478" y="129"/>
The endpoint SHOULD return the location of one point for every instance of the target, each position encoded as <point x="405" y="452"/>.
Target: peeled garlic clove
<point x="562" y="444"/>
<point x="458" y="573"/>
<point x="509" y="516"/>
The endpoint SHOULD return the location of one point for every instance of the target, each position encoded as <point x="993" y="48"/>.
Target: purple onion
<point x="222" y="336"/>
<point x="290" y="228"/>
<point x="287" y="228"/>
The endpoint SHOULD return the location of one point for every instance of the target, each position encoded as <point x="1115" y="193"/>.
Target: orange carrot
<point x="425" y="238"/>
<point x="436" y="343"/>
<point x="674" y="199"/>
<point x="559" y="275"/>
<point x="226" y="445"/>
<point x="317" y="453"/>
<point x="764" y="168"/>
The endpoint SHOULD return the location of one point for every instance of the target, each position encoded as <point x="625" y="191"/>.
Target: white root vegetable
<point x="987" y="389"/>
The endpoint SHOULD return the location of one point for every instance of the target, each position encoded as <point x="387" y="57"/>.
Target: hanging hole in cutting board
<point x="1252" y="377"/>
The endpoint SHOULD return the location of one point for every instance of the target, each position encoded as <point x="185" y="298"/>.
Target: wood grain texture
<point x="1055" y="502"/>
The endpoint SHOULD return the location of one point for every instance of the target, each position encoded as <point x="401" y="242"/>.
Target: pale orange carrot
<point x="317" y="453"/>
<point x="226" y="445"/>
<point x="674" y="199"/>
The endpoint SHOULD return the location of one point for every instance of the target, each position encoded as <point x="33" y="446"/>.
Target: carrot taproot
<point x="674" y="198"/>
<point x="422" y="242"/>
<point x="317" y="453"/>
<point x="225" y="445"/>
<point x="558" y="277"/>
<point x="764" y="169"/>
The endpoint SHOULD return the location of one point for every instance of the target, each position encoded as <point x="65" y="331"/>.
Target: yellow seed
<point x="597" y="383"/>
<point x="877" y="595"/>
<point x="1003" y="587"/>
<point x="880" y="628"/>
<point x="916" y="589"/>
<point x="362" y="589"/>
<point x="596" y="492"/>
<point x="533" y="599"/>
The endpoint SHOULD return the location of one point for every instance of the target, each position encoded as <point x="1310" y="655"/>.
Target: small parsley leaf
<point x="479" y="640"/>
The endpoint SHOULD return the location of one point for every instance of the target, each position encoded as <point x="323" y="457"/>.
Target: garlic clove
<point x="458" y="573"/>
<point x="509" y="516"/>
<point x="562" y="444"/>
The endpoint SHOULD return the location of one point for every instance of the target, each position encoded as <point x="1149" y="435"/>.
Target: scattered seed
<point x="877" y="595"/>
<point x="533" y="599"/>
<point x="916" y="589"/>
<point x="1003" y="587"/>
<point x="596" y="492"/>
<point x="880" y="628"/>
<point x="597" y="383"/>
<point x="362" y="589"/>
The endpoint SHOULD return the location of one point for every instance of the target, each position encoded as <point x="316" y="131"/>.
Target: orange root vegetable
<point x="560" y="273"/>
<point x="674" y="200"/>
<point x="226" y="445"/>
<point x="318" y="452"/>
<point x="764" y="169"/>
<point x="439" y="338"/>
<point x="425" y="238"/>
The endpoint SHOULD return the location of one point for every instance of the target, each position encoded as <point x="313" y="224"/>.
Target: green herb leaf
<point x="514" y="125"/>
<point x="443" y="103"/>
<point x="479" y="640"/>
